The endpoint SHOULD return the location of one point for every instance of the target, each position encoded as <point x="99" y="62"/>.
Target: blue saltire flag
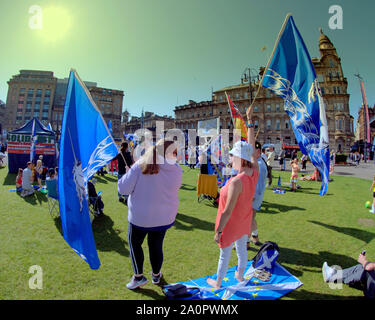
<point x="86" y="145"/>
<point x="281" y="282"/>
<point x="290" y="74"/>
<point x="33" y="142"/>
<point x="49" y="127"/>
<point x="109" y="125"/>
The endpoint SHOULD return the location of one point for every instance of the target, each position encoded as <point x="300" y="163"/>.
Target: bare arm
<point x="251" y="137"/>
<point x="234" y="190"/>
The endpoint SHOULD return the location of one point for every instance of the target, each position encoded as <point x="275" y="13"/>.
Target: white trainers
<point x="327" y="272"/>
<point x="134" y="284"/>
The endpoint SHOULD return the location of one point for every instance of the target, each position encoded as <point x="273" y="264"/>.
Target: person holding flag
<point x="86" y="145"/>
<point x="234" y="216"/>
<point x="290" y="74"/>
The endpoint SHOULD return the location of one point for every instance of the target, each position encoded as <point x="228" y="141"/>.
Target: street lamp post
<point x="249" y="76"/>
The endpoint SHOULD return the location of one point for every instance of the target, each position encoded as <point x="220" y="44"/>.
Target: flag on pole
<point x="33" y="142"/>
<point x="86" y="145"/>
<point x="238" y="121"/>
<point x="290" y="74"/>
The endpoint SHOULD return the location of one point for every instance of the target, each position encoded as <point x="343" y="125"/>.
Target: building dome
<point x="324" y="42"/>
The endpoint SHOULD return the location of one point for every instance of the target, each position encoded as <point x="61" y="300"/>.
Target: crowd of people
<point x="149" y="187"/>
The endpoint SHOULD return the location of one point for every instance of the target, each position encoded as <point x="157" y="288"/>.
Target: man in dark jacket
<point x="124" y="159"/>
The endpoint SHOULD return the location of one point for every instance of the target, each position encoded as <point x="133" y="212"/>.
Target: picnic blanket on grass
<point x="280" y="283"/>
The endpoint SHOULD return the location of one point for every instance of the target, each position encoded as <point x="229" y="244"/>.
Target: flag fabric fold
<point x="290" y="74"/>
<point x="86" y="145"/>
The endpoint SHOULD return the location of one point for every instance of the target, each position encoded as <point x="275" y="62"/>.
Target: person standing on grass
<point x="259" y="194"/>
<point x="124" y="161"/>
<point x="38" y="172"/>
<point x="152" y="184"/>
<point x="270" y="157"/>
<point x="373" y="196"/>
<point x="234" y="216"/>
<point x="294" y="176"/>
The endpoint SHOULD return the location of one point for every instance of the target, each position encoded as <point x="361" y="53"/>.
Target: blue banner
<point x="86" y="145"/>
<point x="291" y="75"/>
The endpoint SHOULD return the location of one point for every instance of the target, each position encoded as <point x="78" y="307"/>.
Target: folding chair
<point x="53" y="199"/>
<point x="207" y="187"/>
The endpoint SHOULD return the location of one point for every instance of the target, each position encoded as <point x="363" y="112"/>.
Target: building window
<point x="268" y="108"/>
<point x="286" y="124"/>
<point x="277" y="108"/>
<point x="268" y="125"/>
<point x="320" y="77"/>
<point x="237" y="95"/>
<point x="256" y="124"/>
<point x="277" y="124"/>
<point x="255" y="108"/>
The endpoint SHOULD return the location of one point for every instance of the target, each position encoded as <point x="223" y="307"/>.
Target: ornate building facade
<point x="149" y="122"/>
<point x="271" y="121"/>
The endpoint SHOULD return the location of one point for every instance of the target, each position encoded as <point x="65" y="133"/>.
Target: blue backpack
<point x="266" y="256"/>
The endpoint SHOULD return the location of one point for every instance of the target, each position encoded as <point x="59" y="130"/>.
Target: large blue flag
<point x="290" y="74"/>
<point x="86" y="145"/>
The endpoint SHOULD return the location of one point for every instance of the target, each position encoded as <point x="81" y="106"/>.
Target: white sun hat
<point x="242" y="150"/>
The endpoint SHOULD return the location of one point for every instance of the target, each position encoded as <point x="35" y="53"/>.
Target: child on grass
<point x="373" y="194"/>
<point x="294" y="176"/>
<point x="19" y="180"/>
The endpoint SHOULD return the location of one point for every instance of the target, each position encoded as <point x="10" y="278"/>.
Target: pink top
<point x="239" y="222"/>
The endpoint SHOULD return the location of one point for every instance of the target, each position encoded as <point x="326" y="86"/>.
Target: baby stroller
<point x="95" y="202"/>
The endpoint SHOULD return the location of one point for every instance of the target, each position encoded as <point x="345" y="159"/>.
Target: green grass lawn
<point x="309" y="230"/>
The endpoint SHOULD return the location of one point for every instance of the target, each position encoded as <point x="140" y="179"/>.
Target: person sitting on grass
<point x="360" y="276"/>
<point x="373" y="195"/>
<point x="51" y="174"/>
<point x="234" y="216"/>
<point x="27" y="179"/>
<point x="19" y="180"/>
<point x="294" y="176"/>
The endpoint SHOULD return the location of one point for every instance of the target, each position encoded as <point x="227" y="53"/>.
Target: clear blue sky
<point x="164" y="52"/>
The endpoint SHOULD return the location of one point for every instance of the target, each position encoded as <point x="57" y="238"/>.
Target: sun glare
<point x="56" y="24"/>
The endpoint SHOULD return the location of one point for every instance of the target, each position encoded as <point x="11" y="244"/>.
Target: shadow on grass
<point x="301" y="294"/>
<point x="193" y="223"/>
<point x="10" y="179"/>
<point x="266" y="206"/>
<point x="362" y="235"/>
<point x="307" y="260"/>
<point x="35" y="198"/>
<point x="106" y="237"/>
<point x="101" y="179"/>
<point x="110" y="178"/>
<point x="156" y="294"/>
<point x="188" y="187"/>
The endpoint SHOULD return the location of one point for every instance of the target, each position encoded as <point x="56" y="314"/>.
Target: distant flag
<point x="290" y="74"/>
<point x="86" y="145"/>
<point x="279" y="182"/>
<point x="49" y="127"/>
<point x="238" y="121"/>
<point x="33" y="142"/>
<point x="215" y="164"/>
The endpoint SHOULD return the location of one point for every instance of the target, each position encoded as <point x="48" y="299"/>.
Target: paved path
<point x="363" y="170"/>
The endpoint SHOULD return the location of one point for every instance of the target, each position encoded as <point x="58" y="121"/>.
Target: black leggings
<point x="155" y="239"/>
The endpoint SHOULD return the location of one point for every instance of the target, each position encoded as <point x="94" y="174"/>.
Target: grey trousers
<point x="361" y="279"/>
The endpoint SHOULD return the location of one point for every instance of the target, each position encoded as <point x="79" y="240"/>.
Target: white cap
<point x="242" y="150"/>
